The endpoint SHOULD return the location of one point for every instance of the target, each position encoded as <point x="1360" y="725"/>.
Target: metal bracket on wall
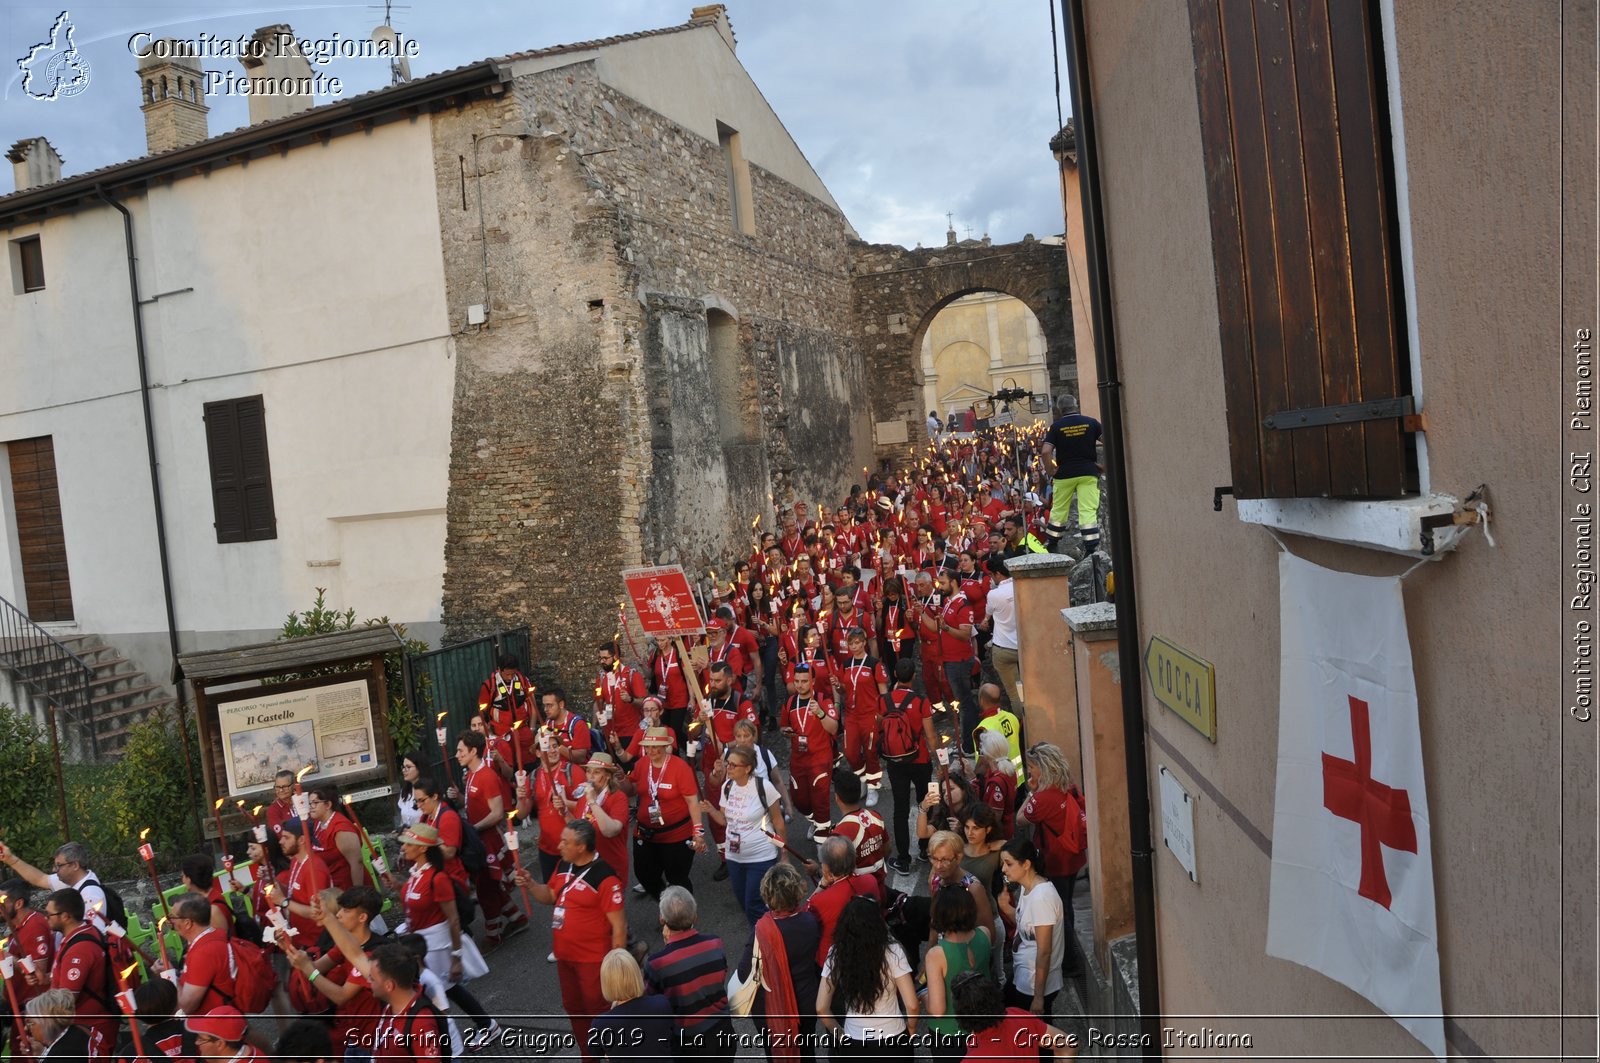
<point x="1399" y="408"/>
<point x="1466" y="513"/>
<point x="1216" y="497"/>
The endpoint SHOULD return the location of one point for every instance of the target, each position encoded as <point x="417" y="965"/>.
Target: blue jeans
<point x="959" y="675"/>
<point x="746" y="882"/>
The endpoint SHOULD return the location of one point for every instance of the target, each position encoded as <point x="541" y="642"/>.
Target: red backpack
<point x="253" y="976"/>
<point x="897" y="738"/>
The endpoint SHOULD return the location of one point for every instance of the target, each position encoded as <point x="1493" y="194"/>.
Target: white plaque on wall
<point x="1177" y="821"/>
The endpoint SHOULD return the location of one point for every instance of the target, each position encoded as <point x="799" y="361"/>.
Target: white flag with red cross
<point x="1352" y="866"/>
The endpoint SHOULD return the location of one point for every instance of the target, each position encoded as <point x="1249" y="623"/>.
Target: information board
<point x="328" y="727"/>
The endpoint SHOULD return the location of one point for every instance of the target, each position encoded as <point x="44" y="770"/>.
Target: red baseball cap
<point x="224" y="1023"/>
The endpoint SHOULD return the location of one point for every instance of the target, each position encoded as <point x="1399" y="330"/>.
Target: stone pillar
<point x="1044" y="654"/>
<point x="1098" y="677"/>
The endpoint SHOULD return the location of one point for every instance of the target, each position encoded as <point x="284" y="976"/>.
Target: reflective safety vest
<point x="1008" y="725"/>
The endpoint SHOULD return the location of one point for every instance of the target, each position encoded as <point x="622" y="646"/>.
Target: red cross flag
<point x="1352" y="869"/>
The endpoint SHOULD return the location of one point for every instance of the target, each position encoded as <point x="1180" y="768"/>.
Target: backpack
<point x="897" y="739"/>
<point x="441" y="1022"/>
<point x="245" y="925"/>
<point x="253" y="976"/>
<point x="474" y="857"/>
<point x="116" y="911"/>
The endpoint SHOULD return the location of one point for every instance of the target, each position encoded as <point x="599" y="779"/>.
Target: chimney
<point x="34" y="162"/>
<point x="173" y="96"/>
<point x="716" y="15"/>
<point x="275" y="57"/>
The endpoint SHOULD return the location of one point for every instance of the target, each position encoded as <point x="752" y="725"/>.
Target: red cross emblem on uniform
<point x="1350" y="792"/>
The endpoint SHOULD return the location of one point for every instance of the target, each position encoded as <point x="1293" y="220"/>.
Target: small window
<point x="742" y="210"/>
<point x="241" y="476"/>
<point x="27" y="265"/>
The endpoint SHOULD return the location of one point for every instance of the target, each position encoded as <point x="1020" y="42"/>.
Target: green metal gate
<point x="447" y="680"/>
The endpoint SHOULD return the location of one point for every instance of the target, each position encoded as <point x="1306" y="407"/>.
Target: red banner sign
<point x="664" y="601"/>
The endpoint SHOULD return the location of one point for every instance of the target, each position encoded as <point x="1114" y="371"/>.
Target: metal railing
<point x="45" y="668"/>
<point x="447" y="680"/>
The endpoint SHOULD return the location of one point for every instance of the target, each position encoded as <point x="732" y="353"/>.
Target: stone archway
<point x="895" y="294"/>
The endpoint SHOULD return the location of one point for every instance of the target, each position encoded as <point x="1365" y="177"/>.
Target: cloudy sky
<point x="907" y="108"/>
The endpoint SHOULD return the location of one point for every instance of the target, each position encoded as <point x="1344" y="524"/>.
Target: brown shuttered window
<point x="241" y="477"/>
<point x="1294" y="124"/>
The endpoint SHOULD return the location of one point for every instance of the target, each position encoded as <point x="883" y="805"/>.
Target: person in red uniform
<point x="307" y="876"/>
<point x="282" y="806"/>
<point x="200" y="879"/>
<point x="908" y="775"/>
<point x="861" y="827"/>
<point x="748" y="670"/>
<point x="601" y="801"/>
<point x="30" y="938"/>
<point x="409" y="1028"/>
<point x="555" y="786"/>
<point x="574" y="740"/>
<point x="860" y="683"/>
<point x="335" y="840"/>
<point x="82" y="968"/>
<point x="206" y="973"/>
<point x="619" y="694"/>
<point x="219" y="1035"/>
<point x="669" y="683"/>
<point x="669" y="817"/>
<point x="499" y="752"/>
<point x="356" y="1010"/>
<point x="586" y="923"/>
<point x="844" y="618"/>
<point x="925" y="602"/>
<point x="445" y="818"/>
<point x="810" y="722"/>
<point x="506" y="697"/>
<point x="953" y="625"/>
<point x="486" y="810"/>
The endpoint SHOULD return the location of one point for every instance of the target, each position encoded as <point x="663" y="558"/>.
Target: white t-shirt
<point x="1040" y="906"/>
<point x="749" y="821"/>
<point x="1002" y="605"/>
<point x="885" y="1018"/>
<point x="94" y="898"/>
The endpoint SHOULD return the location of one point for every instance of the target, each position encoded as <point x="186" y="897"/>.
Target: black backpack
<point x="116" y="911"/>
<point x="442" y="1021"/>
<point x="474" y="857"/>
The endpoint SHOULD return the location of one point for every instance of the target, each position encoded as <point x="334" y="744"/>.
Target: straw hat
<point x="658" y="736"/>
<point x="601" y="760"/>
<point x="423" y="834"/>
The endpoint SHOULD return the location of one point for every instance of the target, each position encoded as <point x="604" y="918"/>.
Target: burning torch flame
<point x="439" y="720"/>
<point x="519" y="723"/>
<point x="219" y="804"/>
<point x="125" y="975"/>
<point x="144" y="834"/>
<point x="301" y="774"/>
<point x="256" y="811"/>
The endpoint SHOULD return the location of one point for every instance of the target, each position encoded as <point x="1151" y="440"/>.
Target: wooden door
<point x="43" y="545"/>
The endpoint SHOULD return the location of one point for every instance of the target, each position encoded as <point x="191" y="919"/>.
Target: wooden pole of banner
<point x="690" y="678"/>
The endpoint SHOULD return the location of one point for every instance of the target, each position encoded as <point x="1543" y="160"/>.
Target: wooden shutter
<point x="40" y="537"/>
<point x="1293" y="120"/>
<point x="241" y="476"/>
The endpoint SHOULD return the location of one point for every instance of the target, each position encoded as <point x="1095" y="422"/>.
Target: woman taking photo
<point x="1032" y="904"/>
<point x="867" y="973"/>
<point x="962" y="946"/>
<point x="788" y="937"/>
<point x="943" y="809"/>
<point x="752" y="812"/>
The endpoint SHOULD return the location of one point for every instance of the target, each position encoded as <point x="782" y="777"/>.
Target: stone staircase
<point x="120" y="696"/>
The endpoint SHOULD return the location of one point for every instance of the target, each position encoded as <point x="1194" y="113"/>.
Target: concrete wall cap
<point x="1096" y="616"/>
<point x="1032" y="566"/>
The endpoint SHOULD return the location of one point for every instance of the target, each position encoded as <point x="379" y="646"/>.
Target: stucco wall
<point x="323" y="294"/>
<point x="1483" y="189"/>
<point x="984" y="341"/>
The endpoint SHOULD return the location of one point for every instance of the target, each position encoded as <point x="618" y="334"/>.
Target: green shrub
<point x="27" y="785"/>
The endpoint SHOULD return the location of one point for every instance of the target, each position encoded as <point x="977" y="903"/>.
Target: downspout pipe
<point x="1106" y="366"/>
<point x="175" y="675"/>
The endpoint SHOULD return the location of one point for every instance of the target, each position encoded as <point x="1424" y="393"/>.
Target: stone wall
<point x="895" y="294"/>
<point x="596" y="426"/>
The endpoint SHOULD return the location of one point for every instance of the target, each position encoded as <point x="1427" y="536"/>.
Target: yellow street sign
<point x="1183" y="683"/>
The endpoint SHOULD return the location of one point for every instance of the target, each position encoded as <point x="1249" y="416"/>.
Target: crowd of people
<point x="871" y="640"/>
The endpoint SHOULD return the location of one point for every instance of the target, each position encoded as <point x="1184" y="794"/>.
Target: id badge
<point x="655" y="815"/>
<point x="558" y="917"/>
<point x="733" y="844"/>
<point x="805" y="742"/>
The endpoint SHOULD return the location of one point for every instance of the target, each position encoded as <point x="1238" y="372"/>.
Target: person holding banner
<point x="669" y="683"/>
<point x="669" y="830"/>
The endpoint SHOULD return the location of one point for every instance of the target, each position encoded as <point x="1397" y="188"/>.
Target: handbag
<point x="742" y="995"/>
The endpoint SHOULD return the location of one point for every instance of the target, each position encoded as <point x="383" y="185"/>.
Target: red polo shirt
<point x="35" y="940"/>
<point x="425" y="891"/>
<point x="483" y="786"/>
<point x="585" y="895"/>
<point x="208" y="962"/>
<point x="325" y="844"/>
<point x="551" y="821"/>
<point x="671" y="786"/>
<point x="863" y="680"/>
<point x="956" y="612"/>
<point x="613" y="851"/>
<point x="828" y="904"/>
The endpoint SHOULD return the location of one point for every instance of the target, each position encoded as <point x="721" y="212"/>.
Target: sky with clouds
<point x="907" y="108"/>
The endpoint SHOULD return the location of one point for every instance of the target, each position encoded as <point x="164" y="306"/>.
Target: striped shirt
<point x="692" y="973"/>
